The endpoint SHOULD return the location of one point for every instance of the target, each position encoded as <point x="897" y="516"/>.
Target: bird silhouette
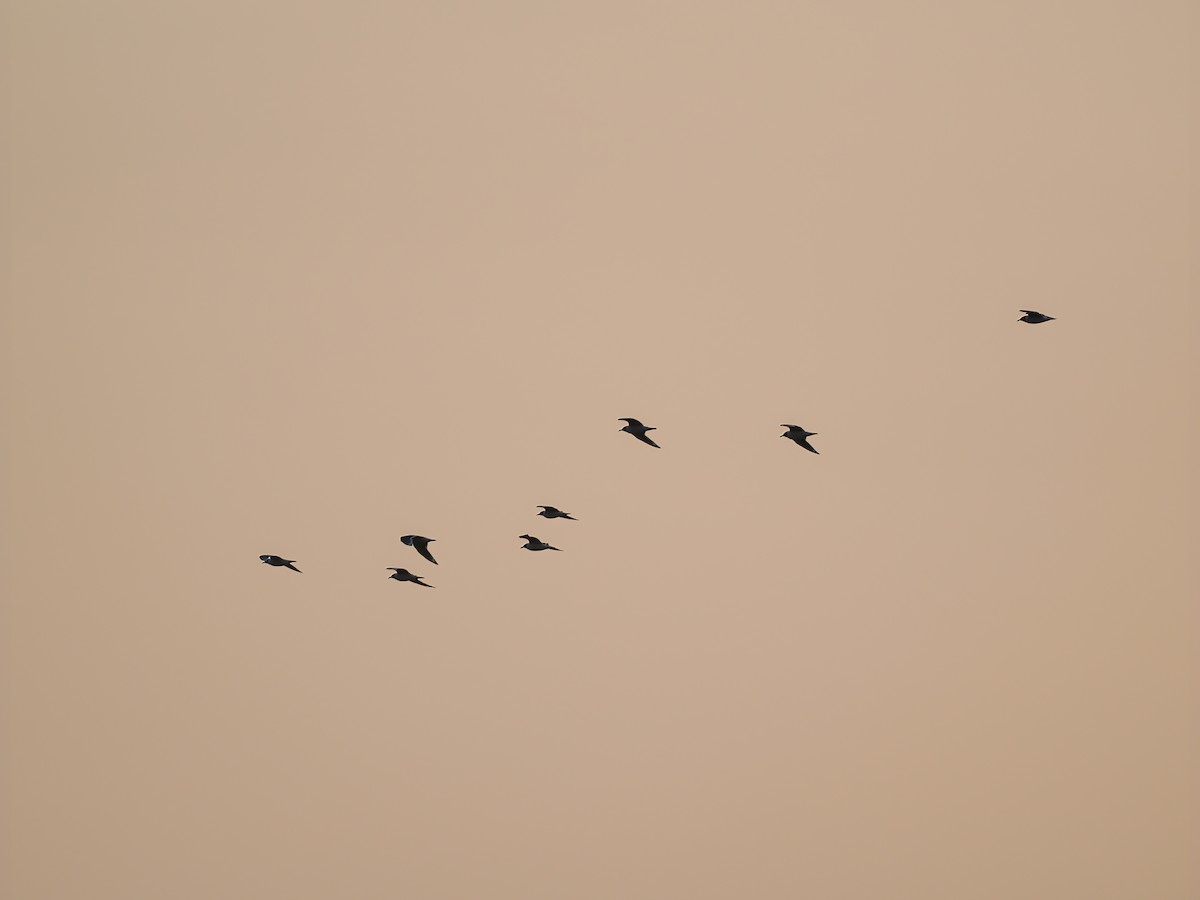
<point x="532" y="543"/>
<point x="279" y="561"/>
<point x="800" y="436"/>
<point x="405" y="575"/>
<point x="638" y="430"/>
<point x="550" y="512"/>
<point x="421" y="544"/>
<point x="1034" y="318"/>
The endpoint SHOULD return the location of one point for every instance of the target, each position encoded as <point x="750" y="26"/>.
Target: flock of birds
<point x="632" y="427"/>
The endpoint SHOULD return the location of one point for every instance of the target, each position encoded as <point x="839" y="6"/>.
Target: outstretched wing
<point x="633" y="423"/>
<point x="422" y="545"/>
<point x="646" y="440"/>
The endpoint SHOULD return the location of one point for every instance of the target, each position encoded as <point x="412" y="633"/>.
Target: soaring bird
<point x="532" y="543"/>
<point x="550" y="512"/>
<point x="279" y="561"/>
<point x="1034" y="318"/>
<point x="638" y="430"/>
<point x="405" y="575"/>
<point x="800" y="436"/>
<point x="421" y="544"/>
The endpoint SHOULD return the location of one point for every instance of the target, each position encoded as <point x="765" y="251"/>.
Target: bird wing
<point x="803" y="442"/>
<point x="646" y="440"/>
<point x="633" y="423"/>
<point x="422" y="545"/>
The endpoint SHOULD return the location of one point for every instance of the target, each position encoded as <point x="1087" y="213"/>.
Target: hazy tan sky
<point x="299" y="278"/>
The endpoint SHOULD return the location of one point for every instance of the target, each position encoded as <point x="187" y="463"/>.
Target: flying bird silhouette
<point x="405" y="575"/>
<point x="421" y="544"/>
<point x="638" y="430"/>
<point x="800" y="436"/>
<point x="532" y="543"/>
<point x="1033" y="317"/>
<point x="550" y="512"/>
<point x="279" y="561"/>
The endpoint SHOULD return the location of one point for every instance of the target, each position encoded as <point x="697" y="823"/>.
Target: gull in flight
<point x="420" y="544"/>
<point x="532" y="543"/>
<point x="405" y="575"/>
<point x="638" y="430"/>
<point x="1033" y="317"/>
<point x="279" y="561"/>
<point x="800" y="436"/>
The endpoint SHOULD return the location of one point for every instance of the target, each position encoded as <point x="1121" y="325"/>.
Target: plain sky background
<point x="299" y="278"/>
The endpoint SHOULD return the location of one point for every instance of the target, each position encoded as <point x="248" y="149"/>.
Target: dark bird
<point x="405" y="575"/>
<point x="421" y="544"/>
<point x="1034" y="318"/>
<point x="279" y="561"/>
<point x="800" y="436"/>
<point x="532" y="543"/>
<point x="638" y="430"/>
<point x="550" y="512"/>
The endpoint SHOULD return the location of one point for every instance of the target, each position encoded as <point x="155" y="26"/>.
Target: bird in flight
<point x="800" y="436"/>
<point x="550" y="512"/>
<point x="532" y="543"/>
<point x="1033" y="317"/>
<point x="638" y="430"/>
<point x="405" y="575"/>
<point x="279" y="561"/>
<point x="421" y="544"/>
